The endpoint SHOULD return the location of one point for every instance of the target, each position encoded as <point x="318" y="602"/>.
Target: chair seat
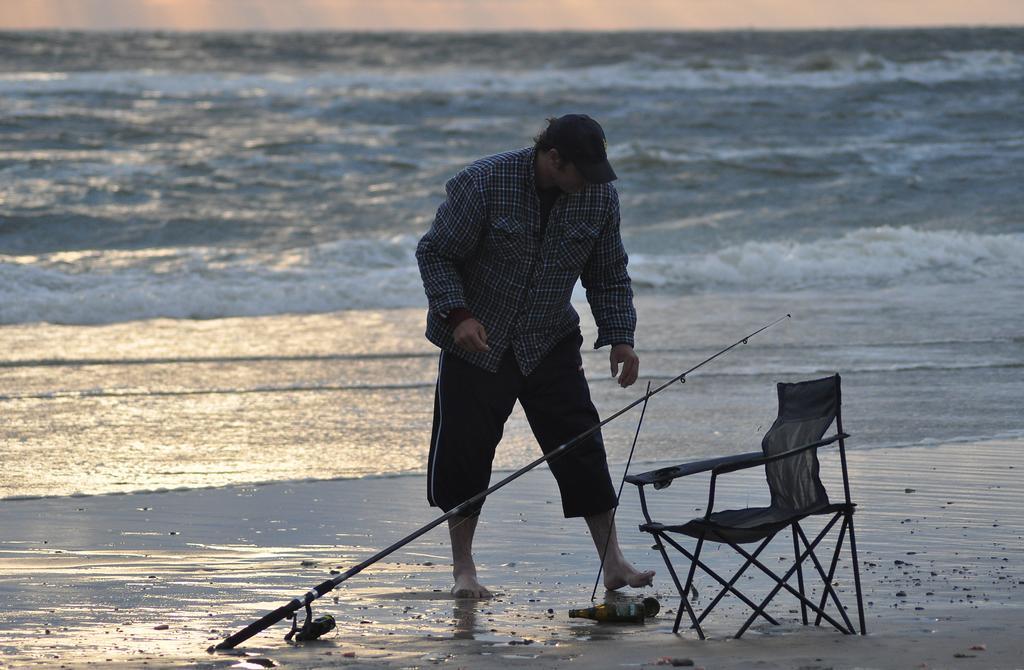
<point x="742" y="526"/>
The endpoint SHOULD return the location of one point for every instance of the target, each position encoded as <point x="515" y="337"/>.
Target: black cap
<point x="580" y="140"/>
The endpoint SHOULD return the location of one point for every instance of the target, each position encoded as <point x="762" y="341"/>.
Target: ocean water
<point x="206" y="240"/>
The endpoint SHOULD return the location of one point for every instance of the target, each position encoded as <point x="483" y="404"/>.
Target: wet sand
<point x="152" y="580"/>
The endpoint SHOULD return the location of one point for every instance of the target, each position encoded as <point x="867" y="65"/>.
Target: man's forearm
<point x="614" y="314"/>
<point x="457" y="316"/>
<point x="441" y="280"/>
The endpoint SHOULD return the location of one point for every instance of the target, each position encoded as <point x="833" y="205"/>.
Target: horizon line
<point x="491" y="31"/>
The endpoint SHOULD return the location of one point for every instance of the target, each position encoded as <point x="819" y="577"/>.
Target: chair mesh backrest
<point x="806" y="410"/>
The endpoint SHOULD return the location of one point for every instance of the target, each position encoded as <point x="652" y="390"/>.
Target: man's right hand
<point x="471" y="336"/>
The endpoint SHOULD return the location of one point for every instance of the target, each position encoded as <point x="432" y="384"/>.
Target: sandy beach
<point x="215" y="390"/>
<point x="154" y="579"/>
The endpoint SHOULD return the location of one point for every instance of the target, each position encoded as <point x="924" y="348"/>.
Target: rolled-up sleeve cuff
<point x="613" y="337"/>
<point x="443" y="307"/>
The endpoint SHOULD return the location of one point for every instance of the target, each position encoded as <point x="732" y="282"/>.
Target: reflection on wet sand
<point x="465" y="617"/>
<point x="158" y="578"/>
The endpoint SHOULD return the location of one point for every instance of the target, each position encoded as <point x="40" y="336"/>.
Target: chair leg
<point x="800" y="573"/>
<point x="684" y="604"/>
<point x="831" y="569"/>
<point x="856" y="574"/>
<point x="693" y="569"/>
<point x="718" y="578"/>
<point x="735" y="578"/>
<point x="827" y="580"/>
<point x="781" y="581"/>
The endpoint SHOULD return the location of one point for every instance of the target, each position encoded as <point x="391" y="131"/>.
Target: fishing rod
<point x="290" y="609"/>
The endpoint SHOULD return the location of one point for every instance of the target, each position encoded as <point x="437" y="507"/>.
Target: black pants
<point x="471" y="406"/>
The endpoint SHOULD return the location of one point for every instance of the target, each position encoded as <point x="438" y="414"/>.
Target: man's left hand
<point x="623" y="353"/>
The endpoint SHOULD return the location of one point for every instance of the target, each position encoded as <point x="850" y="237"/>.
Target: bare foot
<point x="617" y="575"/>
<point x="467" y="586"/>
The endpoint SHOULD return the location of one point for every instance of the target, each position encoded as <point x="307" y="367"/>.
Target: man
<point x="499" y="265"/>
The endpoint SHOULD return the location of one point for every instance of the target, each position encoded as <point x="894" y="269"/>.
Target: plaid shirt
<point x="486" y="252"/>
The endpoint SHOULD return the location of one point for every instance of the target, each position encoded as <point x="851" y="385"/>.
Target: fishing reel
<point x="311" y="628"/>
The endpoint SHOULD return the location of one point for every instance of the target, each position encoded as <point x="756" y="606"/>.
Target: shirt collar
<point x="530" y="168"/>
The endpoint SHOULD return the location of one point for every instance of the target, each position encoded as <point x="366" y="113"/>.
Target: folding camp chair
<point x="789" y="456"/>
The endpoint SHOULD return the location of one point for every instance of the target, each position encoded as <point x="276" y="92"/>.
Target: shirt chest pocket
<point x="505" y="237"/>
<point x="577" y="244"/>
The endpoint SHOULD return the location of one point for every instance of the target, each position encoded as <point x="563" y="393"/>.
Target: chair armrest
<point x="752" y="463"/>
<point x="663" y="477"/>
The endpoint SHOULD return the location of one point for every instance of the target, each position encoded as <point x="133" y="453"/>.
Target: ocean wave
<point x="823" y="70"/>
<point x="821" y="158"/>
<point x="107" y="286"/>
<point x="94" y="287"/>
<point x="864" y="257"/>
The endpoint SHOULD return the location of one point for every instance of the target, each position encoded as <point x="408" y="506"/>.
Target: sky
<point x="500" y="14"/>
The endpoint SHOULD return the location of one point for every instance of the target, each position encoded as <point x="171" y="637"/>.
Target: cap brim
<point x="597" y="173"/>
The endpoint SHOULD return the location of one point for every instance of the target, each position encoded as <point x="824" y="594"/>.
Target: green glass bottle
<point x="619" y="612"/>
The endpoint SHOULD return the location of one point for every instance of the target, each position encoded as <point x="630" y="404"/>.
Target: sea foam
<point x="826" y="70"/>
<point x="861" y="258"/>
<point x="201" y="283"/>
